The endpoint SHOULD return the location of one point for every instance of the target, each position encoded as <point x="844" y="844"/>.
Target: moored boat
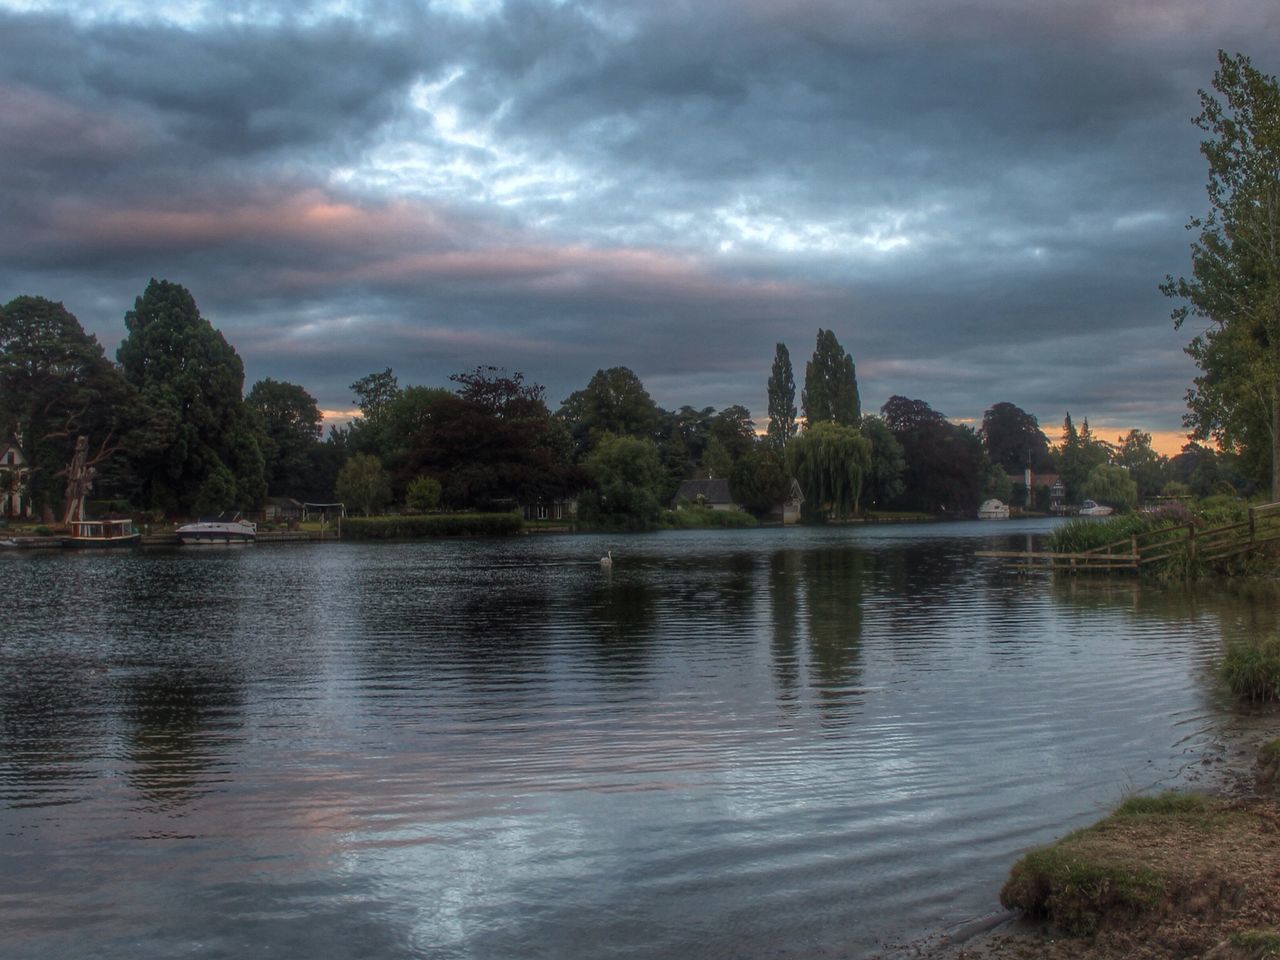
<point x="1091" y="508"/>
<point x="224" y="529"/>
<point x="101" y="533"/>
<point x="993" y="510"/>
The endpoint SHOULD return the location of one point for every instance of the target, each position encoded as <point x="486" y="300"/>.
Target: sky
<point x="980" y="197"/>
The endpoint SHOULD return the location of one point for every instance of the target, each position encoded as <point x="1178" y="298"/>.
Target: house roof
<point x="711" y="491"/>
<point x="287" y="502"/>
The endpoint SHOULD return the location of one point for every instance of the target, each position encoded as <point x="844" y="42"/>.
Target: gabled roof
<point x="711" y="491"/>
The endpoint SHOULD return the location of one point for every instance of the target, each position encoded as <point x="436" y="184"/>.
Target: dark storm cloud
<point x="979" y="197"/>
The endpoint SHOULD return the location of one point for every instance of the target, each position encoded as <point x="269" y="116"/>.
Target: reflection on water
<point x="734" y="744"/>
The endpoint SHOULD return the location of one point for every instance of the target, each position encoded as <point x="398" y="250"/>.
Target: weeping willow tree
<point x="830" y="461"/>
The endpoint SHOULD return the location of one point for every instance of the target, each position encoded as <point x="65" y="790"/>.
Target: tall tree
<point x="613" y="402"/>
<point x="830" y="384"/>
<point x="188" y="373"/>
<point x="782" y="401"/>
<point x="56" y="384"/>
<point x="1235" y="264"/>
<point x="290" y="423"/>
<point x="831" y="462"/>
<point x="1013" y="439"/>
<point x="946" y="465"/>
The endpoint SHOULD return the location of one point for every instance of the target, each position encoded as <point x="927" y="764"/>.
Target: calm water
<point x="760" y="744"/>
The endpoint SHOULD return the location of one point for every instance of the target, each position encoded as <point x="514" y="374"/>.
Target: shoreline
<point x="1226" y="769"/>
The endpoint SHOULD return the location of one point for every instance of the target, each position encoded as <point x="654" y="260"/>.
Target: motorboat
<point x="1091" y="508"/>
<point x="101" y="533"/>
<point x="993" y="510"/>
<point x="226" y="528"/>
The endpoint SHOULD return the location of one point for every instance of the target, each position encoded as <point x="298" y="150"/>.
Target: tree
<point x="1013" y="439"/>
<point x="493" y="441"/>
<point x="627" y="475"/>
<point x="782" y="401"/>
<point x="363" y="484"/>
<point x="883" y="482"/>
<point x="1111" y="485"/>
<point x="830" y="384"/>
<point x="1148" y="469"/>
<point x="946" y="465"/>
<point x="56" y="385"/>
<point x="1235" y="271"/>
<point x="423" y="494"/>
<point x="614" y="402"/>
<point x="735" y="430"/>
<point x="375" y="395"/>
<point x="1077" y="454"/>
<point x="290" y="424"/>
<point x="830" y="461"/>
<point x="759" y="481"/>
<point x="187" y="372"/>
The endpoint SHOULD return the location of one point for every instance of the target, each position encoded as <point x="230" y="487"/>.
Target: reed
<point x="1251" y="669"/>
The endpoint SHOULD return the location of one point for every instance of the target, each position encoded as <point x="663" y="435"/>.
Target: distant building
<point x="706" y="493"/>
<point x="281" y="508"/>
<point x="556" y="508"/>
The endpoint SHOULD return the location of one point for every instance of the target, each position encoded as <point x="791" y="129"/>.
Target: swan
<point x="607" y="560"/>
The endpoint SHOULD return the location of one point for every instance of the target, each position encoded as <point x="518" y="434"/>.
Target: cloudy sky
<point x="980" y="196"/>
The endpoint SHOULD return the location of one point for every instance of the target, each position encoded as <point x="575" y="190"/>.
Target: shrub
<point x="1252" y="669"/>
<point x="1081" y="535"/>
<point x="689" y="517"/>
<point x="422" y="527"/>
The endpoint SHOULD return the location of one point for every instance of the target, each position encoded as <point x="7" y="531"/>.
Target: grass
<point x="1122" y="867"/>
<point x="1251" y="669"/>
<point x="1257" y="944"/>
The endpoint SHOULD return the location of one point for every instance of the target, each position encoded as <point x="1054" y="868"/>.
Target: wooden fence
<point x="1209" y="545"/>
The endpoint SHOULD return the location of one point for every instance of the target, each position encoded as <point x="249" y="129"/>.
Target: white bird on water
<point x="607" y="560"/>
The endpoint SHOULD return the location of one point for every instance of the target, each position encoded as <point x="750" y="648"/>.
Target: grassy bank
<point x="1251" y="669"/>
<point x="425" y="526"/>
<point x="1176" y="875"/>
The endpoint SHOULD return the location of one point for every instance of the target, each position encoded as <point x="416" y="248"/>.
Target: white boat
<point x="1091" y="508"/>
<point x="993" y="510"/>
<point x="224" y="529"/>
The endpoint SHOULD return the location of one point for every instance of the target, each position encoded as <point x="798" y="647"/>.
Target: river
<point x="801" y="743"/>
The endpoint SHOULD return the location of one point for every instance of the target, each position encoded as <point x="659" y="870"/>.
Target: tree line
<point x="173" y="432"/>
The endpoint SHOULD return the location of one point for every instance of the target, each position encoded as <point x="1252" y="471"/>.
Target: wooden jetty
<point x="1206" y="544"/>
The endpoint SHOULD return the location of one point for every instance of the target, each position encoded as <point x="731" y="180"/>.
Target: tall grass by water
<point x="1252" y="669"/>
<point x="422" y="526"/>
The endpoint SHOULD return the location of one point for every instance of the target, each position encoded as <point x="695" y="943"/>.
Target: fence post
<point x="1191" y="540"/>
<point x="1251" y="525"/>
<point x="1133" y="541"/>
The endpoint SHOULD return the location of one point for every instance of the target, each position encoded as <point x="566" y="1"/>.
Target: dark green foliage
<point x="613" y="402"/>
<point x="1077" y="455"/>
<point x="1111" y="485"/>
<point x="782" y="402"/>
<point x="1013" y="439"/>
<point x="1080" y="536"/>
<point x="627" y="476"/>
<point x="883" y="482"/>
<point x="423" y="494"/>
<point x="946" y="466"/>
<point x="56" y="384"/>
<point x="691" y="517"/>
<point x="1235" y="281"/>
<point x="363" y="485"/>
<point x="830" y="462"/>
<point x="192" y="379"/>
<point x="1252" y="669"/>
<point x="289" y="423"/>
<point x="760" y="482"/>
<point x="492" y="441"/>
<point x="830" y="392"/>
<point x="436" y="525"/>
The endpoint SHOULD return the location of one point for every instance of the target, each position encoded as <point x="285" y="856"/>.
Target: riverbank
<point x="1212" y="870"/>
